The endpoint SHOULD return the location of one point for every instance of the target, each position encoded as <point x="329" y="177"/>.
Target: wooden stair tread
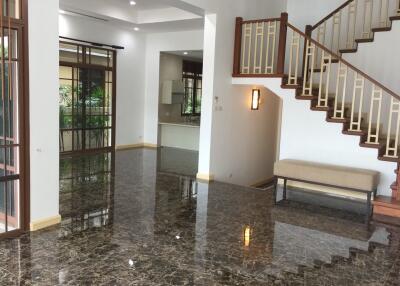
<point x="394" y="18"/>
<point x="381" y="29"/>
<point x="389" y="159"/>
<point x="343" y="51"/>
<point x="364" y="40"/>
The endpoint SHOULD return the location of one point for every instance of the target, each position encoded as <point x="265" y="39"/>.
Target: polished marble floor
<point x="127" y="221"/>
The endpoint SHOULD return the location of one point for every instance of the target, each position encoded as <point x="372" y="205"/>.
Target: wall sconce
<point x="255" y="99"/>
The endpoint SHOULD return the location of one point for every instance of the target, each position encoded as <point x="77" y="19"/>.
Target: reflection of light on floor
<point x="247" y="236"/>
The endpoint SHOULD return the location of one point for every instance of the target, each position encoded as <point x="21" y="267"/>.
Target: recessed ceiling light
<point x="62" y="11"/>
<point x="185" y="53"/>
<point x="136" y="28"/>
<point x="132" y="3"/>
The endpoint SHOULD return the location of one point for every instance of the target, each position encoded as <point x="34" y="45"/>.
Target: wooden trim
<point x="282" y="43"/>
<point x="387" y="90"/>
<point x="205" y="177"/>
<point x="331" y="14"/>
<point x="44" y="223"/>
<point x="136" y="146"/>
<point x="238" y="45"/>
<point x="268" y="182"/>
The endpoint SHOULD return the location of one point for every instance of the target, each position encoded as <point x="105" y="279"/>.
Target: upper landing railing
<point x="354" y="22"/>
<point x="275" y="48"/>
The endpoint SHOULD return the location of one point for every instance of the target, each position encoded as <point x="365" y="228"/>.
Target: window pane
<point x="70" y="53"/>
<point x="12" y="8"/>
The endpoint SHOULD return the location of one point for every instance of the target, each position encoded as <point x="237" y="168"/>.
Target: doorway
<point x="87" y="99"/>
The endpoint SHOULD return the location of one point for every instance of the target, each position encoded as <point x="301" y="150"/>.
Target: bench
<point x="346" y="178"/>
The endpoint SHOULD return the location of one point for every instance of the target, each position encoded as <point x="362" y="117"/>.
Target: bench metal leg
<point x="284" y="188"/>
<point x="368" y="211"/>
<point x="275" y="189"/>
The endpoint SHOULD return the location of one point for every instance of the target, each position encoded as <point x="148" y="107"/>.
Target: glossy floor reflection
<point x="126" y="223"/>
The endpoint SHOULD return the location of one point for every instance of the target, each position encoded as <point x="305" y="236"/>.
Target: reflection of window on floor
<point x="192" y="73"/>
<point x="86" y="192"/>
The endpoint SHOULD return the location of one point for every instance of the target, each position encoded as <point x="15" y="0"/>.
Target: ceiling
<point x="148" y="15"/>
<point x="194" y="55"/>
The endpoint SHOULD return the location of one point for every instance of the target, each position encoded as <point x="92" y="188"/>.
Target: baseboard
<point x="44" y="223"/>
<point x="205" y="177"/>
<point x="269" y="181"/>
<point x="136" y="146"/>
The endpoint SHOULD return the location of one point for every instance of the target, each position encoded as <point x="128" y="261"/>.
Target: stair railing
<point x="353" y="22"/>
<point x="365" y="106"/>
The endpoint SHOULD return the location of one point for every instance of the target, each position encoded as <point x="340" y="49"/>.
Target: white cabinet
<point x="172" y="92"/>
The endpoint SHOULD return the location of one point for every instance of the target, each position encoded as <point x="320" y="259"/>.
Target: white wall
<point x="380" y="58"/>
<point x="43" y="97"/>
<point x="309" y="12"/>
<point x="230" y="149"/>
<point x="155" y="44"/>
<point x="130" y="71"/>
<point x="305" y="135"/>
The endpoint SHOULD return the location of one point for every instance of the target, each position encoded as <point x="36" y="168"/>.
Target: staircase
<point x="311" y="63"/>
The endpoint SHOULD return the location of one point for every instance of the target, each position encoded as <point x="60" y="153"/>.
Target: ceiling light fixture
<point x="62" y="11"/>
<point x="185" y="53"/>
<point x="136" y="28"/>
<point x="132" y="3"/>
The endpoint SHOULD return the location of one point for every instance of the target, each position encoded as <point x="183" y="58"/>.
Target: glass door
<point x="86" y="99"/>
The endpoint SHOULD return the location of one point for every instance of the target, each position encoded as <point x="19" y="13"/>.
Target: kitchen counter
<point x="182" y="135"/>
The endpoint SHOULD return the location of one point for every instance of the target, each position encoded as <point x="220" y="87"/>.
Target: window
<point x="192" y="73"/>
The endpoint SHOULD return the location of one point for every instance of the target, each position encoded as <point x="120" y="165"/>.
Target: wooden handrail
<point x="345" y="62"/>
<point x="332" y="13"/>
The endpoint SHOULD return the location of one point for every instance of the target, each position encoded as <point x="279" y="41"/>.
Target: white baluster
<point x="384" y="13"/>
<point x="355" y="123"/>
<point x="294" y="59"/>
<point x="398" y="7"/>
<point x="351" y="24"/>
<point x="336" y="26"/>
<point x="340" y="92"/>
<point x="376" y="99"/>
<point x="246" y="48"/>
<point x="270" y="59"/>
<point x="392" y="146"/>
<point x="368" y="18"/>
<point x="258" y="57"/>
<point x="307" y="85"/>
<point x="320" y="39"/>
<point x="323" y="95"/>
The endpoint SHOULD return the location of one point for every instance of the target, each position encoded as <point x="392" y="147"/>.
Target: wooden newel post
<point x="308" y="33"/>
<point x="282" y="44"/>
<point x="238" y="46"/>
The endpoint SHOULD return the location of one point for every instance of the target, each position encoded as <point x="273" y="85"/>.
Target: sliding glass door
<point x="87" y="99"/>
<point x="14" y="204"/>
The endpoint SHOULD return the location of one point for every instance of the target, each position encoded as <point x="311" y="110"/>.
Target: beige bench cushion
<point x="345" y="177"/>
